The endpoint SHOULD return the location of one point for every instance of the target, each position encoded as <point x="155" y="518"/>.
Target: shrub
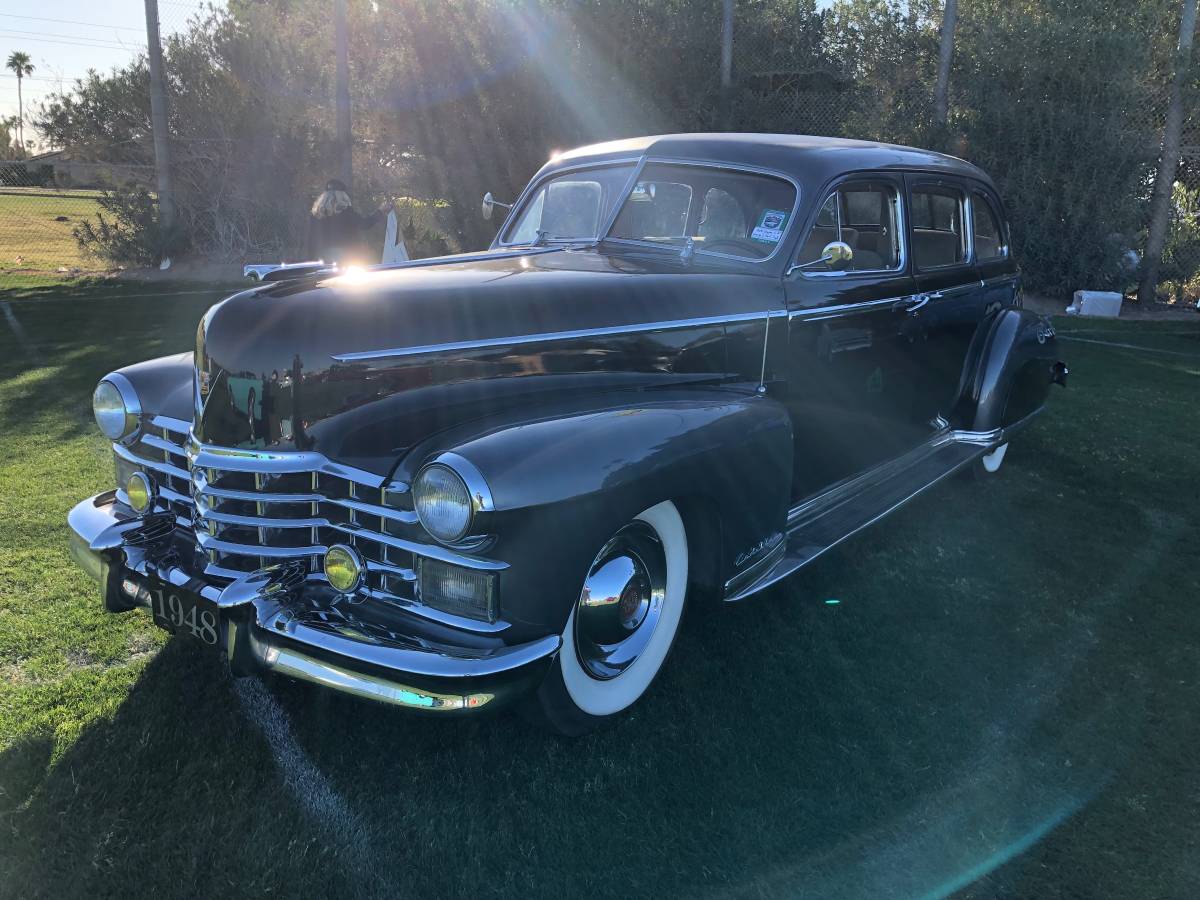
<point x="127" y="230"/>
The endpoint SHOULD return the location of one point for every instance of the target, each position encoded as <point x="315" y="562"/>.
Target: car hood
<point x="362" y="366"/>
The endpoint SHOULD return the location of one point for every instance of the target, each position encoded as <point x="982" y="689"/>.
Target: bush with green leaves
<point x="127" y="230"/>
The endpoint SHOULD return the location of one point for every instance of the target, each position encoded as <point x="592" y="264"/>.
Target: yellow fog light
<point x="140" y="491"/>
<point x="343" y="568"/>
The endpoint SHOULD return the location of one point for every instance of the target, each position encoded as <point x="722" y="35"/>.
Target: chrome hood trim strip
<point x="547" y="336"/>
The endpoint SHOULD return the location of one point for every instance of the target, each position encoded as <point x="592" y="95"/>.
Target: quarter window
<point x="866" y="217"/>
<point x="988" y="241"/>
<point x="938" y="238"/>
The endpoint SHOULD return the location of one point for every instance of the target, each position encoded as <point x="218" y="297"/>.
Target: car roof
<point x="807" y="158"/>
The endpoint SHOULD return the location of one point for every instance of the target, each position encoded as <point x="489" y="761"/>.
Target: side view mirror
<point x="838" y="255"/>
<point x="490" y="203"/>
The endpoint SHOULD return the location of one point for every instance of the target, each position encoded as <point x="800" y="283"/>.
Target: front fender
<point x="163" y="385"/>
<point x="1008" y="370"/>
<point x="562" y="483"/>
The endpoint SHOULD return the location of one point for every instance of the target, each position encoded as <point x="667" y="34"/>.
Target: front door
<point x="848" y="387"/>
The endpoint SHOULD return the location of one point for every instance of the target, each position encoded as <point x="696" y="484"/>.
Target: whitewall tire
<point x="990" y="463"/>
<point x="623" y="624"/>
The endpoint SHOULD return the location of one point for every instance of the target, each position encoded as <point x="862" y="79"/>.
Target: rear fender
<point x="1011" y="363"/>
<point x="562" y="484"/>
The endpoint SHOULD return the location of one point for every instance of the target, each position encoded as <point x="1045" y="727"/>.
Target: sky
<point x="65" y="38"/>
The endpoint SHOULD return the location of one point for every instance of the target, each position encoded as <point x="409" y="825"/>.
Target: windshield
<point x="570" y="207"/>
<point x="733" y="213"/>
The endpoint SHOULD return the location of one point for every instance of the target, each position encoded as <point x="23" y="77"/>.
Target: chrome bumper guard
<point x="262" y="626"/>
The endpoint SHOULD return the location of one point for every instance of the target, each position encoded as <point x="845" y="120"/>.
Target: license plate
<point x="183" y="612"/>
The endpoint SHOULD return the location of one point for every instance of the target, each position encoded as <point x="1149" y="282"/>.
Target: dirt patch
<point x="188" y="270"/>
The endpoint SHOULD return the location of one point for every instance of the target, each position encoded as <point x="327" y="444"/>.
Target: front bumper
<point x="279" y="620"/>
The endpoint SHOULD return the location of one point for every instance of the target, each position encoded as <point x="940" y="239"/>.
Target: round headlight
<point x="443" y="503"/>
<point x="343" y="568"/>
<point x="140" y="491"/>
<point x="116" y="411"/>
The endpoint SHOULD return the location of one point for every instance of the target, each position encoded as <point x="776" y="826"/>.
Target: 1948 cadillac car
<point x="687" y="366"/>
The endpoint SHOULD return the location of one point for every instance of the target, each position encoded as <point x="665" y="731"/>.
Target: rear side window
<point x="937" y="225"/>
<point x="989" y="242"/>
<point x="864" y="215"/>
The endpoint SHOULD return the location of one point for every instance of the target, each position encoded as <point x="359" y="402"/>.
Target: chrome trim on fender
<point x="742" y="580"/>
<point x="547" y="336"/>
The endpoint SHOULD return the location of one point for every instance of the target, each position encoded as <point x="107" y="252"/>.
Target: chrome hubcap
<point x="621" y="601"/>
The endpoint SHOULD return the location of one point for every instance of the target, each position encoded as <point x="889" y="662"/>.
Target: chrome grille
<point x="246" y="513"/>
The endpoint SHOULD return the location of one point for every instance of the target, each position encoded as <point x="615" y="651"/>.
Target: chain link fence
<point x="85" y="206"/>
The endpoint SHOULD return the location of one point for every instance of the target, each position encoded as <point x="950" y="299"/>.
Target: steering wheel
<point x="739" y="248"/>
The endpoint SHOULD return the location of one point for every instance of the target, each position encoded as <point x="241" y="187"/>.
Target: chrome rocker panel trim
<point x="941" y="456"/>
<point x="262" y="633"/>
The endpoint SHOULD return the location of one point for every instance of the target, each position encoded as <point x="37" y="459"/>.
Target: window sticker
<point x="770" y="226"/>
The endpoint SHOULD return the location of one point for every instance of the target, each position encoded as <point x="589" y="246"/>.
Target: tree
<point x="20" y="65"/>
<point x="8" y="144"/>
<point x="1160" y="203"/>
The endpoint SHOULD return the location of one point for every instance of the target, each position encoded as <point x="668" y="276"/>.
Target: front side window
<point x="723" y="211"/>
<point x="570" y="207"/>
<point x="938" y="237"/>
<point x="988" y="241"/>
<point x="866" y="217"/>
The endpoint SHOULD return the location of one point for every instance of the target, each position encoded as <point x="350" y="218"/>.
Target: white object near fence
<point x="394" y="250"/>
<point x="1106" y="304"/>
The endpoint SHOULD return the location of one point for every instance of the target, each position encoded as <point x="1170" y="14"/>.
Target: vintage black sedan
<point x="687" y="366"/>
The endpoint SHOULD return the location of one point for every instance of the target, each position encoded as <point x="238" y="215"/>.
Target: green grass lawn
<point x="34" y="245"/>
<point x="1001" y="703"/>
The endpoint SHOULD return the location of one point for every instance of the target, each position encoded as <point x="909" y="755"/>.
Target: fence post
<point x="345" y="148"/>
<point x="726" y="61"/>
<point x="1160" y="200"/>
<point x="941" y="102"/>
<point x="158" y="120"/>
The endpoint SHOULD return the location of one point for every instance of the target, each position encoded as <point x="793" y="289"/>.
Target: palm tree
<point x="20" y="66"/>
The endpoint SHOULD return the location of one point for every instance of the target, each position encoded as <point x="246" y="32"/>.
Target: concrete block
<point x="1105" y="304"/>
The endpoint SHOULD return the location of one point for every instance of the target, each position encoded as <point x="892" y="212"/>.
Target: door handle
<point x="916" y="301"/>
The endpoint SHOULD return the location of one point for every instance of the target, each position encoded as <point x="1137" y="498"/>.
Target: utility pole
<point x="1168" y="163"/>
<point x="726" y="61"/>
<point x="344" y="146"/>
<point x="158" y="120"/>
<point x="941" y="102"/>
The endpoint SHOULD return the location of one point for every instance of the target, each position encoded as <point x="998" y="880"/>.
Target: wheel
<point x="621" y="627"/>
<point x="989" y="463"/>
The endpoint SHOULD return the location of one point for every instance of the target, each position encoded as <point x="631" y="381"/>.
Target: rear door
<point x="847" y="390"/>
<point x="949" y="303"/>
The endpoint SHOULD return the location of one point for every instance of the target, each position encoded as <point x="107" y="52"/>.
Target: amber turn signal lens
<point x="343" y="568"/>
<point x="140" y="492"/>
